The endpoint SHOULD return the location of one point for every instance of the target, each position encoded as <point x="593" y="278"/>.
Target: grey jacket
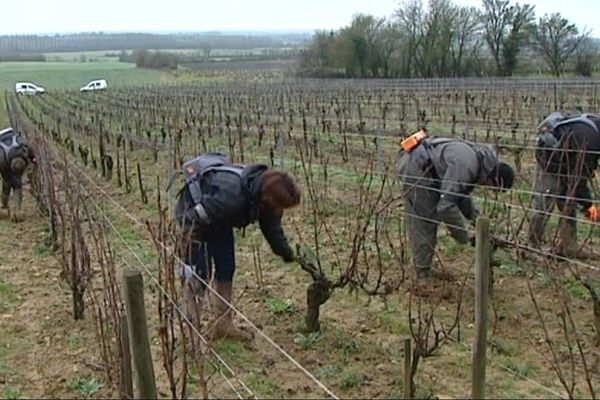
<point x="459" y="166"/>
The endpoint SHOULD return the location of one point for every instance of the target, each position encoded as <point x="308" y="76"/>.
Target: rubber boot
<point x="4" y="201"/>
<point x="567" y="242"/>
<point x="536" y="229"/>
<point x="4" y="210"/>
<point x="223" y="326"/>
<point x="17" y="215"/>
<point x="424" y="273"/>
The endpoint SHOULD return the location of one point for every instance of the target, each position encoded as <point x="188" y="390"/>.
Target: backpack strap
<point x="8" y="147"/>
<point x="581" y="118"/>
<point x="195" y="186"/>
<point x="438" y="140"/>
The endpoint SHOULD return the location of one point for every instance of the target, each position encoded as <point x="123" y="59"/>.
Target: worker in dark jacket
<point x="218" y="197"/>
<point x="567" y="156"/>
<point x="15" y="156"/>
<point x="438" y="175"/>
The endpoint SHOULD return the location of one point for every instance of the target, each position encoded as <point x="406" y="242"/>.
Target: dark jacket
<point x="13" y="146"/>
<point x="233" y="199"/>
<point x="459" y="166"/>
<point x="574" y="157"/>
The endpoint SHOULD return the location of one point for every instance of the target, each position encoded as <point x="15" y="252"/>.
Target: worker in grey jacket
<point x="438" y="175"/>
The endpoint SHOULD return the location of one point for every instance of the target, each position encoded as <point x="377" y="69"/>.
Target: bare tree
<point x="505" y="27"/>
<point x="410" y="17"/>
<point x="521" y="23"/>
<point x="556" y="39"/>
<point x="467" y="26"/>
<point x="586" y="57"/>
<point x="387" y="43"/>
<point x="434" y="47"/>
<point x="496" y="18"/>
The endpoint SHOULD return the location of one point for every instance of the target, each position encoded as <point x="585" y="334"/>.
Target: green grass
<point x="280" y="306"/>
<point x="235" y="351"/>
<point x="520" y="367"/>
<point x="6" y="288"/>
<point x="73" y="75"/>
<point x="263" y="386"/>
<point x="7" y="295"/>
<point x="74" y="342"/>
<point x="42" y="250"/>
<point x="307" y="341"/>
<point x="84" y="387"/>
<point x="5" y="370"/>
<point x="351" y="378"/>
<point x="11" y="392"/>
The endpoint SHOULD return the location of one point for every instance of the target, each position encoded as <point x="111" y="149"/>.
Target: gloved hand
<point x="289" y="256"/>
<point x="593" y="214"/>
<point x="472" y="241"/>
<point x="468" y="209"/>
<point x="474" y="214"/>
<point x="186" y="271"/>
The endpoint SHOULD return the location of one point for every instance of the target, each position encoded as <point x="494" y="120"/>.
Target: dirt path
<point x="43" y="351"/>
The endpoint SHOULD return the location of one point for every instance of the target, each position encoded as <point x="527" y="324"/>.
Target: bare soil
<point x="43" y="351"/>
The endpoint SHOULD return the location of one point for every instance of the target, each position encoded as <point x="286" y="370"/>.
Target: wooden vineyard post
<point x="143" y="194"/>
<point x="171" y="172"/>
<point x="126" y="386"/>
<point x="138" y="334"/>
<point x="482" y="277"/>
<point x="281" y="147"/>
<point x="407" y="369"/>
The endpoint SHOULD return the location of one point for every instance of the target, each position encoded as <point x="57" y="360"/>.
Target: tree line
<point x="18" y="45"/>
<point x="442" y="39"/>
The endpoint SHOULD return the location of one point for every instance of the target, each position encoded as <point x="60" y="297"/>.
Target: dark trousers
<point x="216" y="252"/>
<point x="210" y="249"/>
<point x="11" y="183"/>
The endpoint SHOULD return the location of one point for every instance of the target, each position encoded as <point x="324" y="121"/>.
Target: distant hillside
<point x="38" y="44"/>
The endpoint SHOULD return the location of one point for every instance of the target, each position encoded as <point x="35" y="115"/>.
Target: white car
<point x="28" y="88"/>
<point x="98" y="84"/>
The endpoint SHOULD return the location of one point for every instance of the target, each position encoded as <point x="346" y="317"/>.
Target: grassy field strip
<point x="73" y="75"/>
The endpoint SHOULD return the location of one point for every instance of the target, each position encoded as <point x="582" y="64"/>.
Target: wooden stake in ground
<point x="138" y="334"/>
<point x="482" y="276"/>
<point x="408" y="382"/>
<point x="126" y="384"/>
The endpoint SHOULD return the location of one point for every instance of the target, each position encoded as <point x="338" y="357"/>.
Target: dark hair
<point x="279" y="190"/>
<point x="503" y="176"/>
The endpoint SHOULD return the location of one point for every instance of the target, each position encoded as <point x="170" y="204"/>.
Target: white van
<point x="28" y="88"/>
<point x="98" y="84"/>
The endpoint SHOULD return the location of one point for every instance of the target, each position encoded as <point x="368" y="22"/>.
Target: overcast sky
<point x="50" y="16"/>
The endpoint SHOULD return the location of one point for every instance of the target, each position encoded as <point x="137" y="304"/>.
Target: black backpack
<point x="194" y="170"/>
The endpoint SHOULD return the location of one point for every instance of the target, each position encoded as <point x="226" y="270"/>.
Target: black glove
<point x="468" y="208"/>
<point x="472" y="241"/>
<point x="288" y="256"/>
